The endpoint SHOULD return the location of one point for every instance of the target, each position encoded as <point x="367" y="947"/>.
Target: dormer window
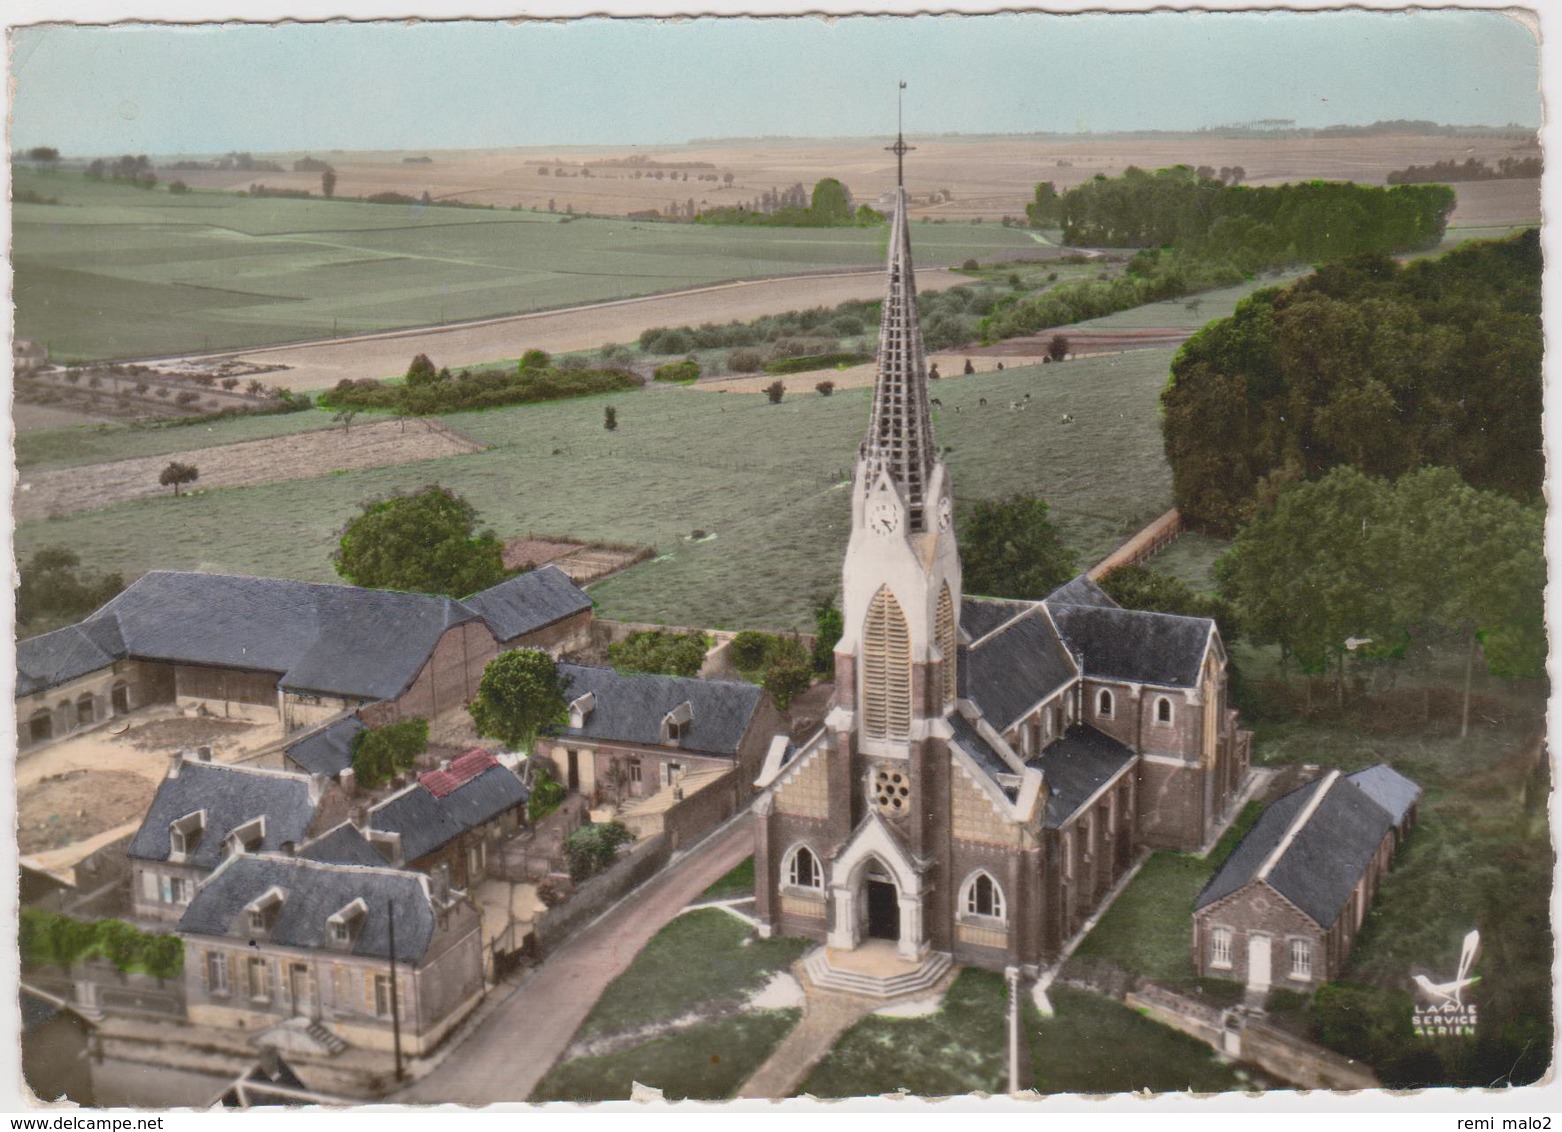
<point x="248" y="838"/>
<point x="345" y="924"/>
<point x="184" y="834"/>
<point x="675" y="724"/>
<point x="264" y="909"/>
<point x="580" y="709"/>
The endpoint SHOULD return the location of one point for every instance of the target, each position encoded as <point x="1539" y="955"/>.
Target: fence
<point x="1151" y="540"/>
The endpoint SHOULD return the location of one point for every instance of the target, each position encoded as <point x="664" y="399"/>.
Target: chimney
<point x="349" y="780"/>
<point x="444" y="765"/>
<point x="317" y="785"/>
<point x="288" y="849"/>
<point x="203" y="754"/>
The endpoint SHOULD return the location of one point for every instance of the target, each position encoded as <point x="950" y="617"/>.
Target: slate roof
<point x="1389" y="789"/>
<point x="313" y="893"/>
<point x="1133" y="645"/>
<point x="230" y="796"/>
<point x="981" y="615"/>
<point x="328" y="751"/>
<point x="1325" y="856"/>
<point x="340" y="640"/>
<point x="969" y="740"/>
<point x="1008" y="673"/>
<point x="1074" y="766"/>
<point x="629" y="708"/>
<point x="426" y="821"/>
<point x="527" y="602"/>
<point x="56" y="658"/>
<point x="1081" y="591"/>
<point x="342" y="845"/>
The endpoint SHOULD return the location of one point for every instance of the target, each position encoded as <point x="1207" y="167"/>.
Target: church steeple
<point x="900" y="434"/>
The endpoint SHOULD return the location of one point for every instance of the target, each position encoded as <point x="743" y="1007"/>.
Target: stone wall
<point x="599" y="893"/>
<point x="687" y="821"/>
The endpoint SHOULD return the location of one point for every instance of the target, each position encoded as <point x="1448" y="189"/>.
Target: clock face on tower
<point x="883" y="516"/>
<point x="946" y="511"/>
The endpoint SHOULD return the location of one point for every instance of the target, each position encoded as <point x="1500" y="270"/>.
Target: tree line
<point x="1471" y="169"/>
<point x="829" y="206"/>
<point x="429" y="391"/>
<point x="1384" y="367"/>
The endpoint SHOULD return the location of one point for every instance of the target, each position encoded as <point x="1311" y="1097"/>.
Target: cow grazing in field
<point x="983" y="402"/>
<point x="1068" y="418"/>
<point x="935" y="401"/>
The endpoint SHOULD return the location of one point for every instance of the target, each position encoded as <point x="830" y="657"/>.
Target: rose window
<point x="891" y="790"/>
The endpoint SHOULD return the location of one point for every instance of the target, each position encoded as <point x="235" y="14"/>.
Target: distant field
<point x="768" y="480"/>
<point x="118" y="272"/>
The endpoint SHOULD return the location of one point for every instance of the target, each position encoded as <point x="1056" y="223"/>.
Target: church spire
<point x="900" y="434"/>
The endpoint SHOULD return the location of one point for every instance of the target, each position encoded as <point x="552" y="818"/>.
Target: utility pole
<point x="390" y="912"/>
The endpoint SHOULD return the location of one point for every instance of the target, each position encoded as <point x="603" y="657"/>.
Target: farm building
<point x="988" y="769"/>
<point x="1285" y="907"/>
<point x="203" y="813"/>
<point x="28" y="356"/>
<point x="272" y="939"/>
<point x="234" y="645"/>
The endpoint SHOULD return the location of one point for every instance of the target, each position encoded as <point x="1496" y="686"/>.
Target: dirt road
<point x="505" y="1057"/>
<point x="320" y="365"/>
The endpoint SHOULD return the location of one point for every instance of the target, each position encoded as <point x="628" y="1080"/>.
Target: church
<point x="988" y="769"/>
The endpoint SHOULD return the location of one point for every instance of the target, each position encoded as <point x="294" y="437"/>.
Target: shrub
<point x="547" y="792"/>
<point x="745" y="361"/>
<point x="681" y="373"/>
<point x="421" y="371"/>
<point x="609" y="418"/>
<point x="533" y="361"/>
<point x="1057" y="348"/>
<point x="384" y="752"/>
<point x="775" y="391"/>
<point x="825" y="388"/>
<point x="816" y="361"/>
<point x="593" y="847"/>
<point x="748" y="649"/>
<point x="787" y="680"/>
<point x="659" y="652"/>
<point x="120" y="943"/>
<point x="970" y="265"/>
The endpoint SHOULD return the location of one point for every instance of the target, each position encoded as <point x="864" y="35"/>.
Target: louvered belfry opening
<point x="900" y="435"/>
<point x="886" y="670"/>
<point x="944" y="631"/>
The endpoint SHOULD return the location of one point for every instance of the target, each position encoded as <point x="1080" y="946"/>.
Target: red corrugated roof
<point x="463" y="768"/>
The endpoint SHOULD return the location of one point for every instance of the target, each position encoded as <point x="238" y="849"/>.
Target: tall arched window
<point x="1163" y="710"/>
<point x="1104" y="703"/>
<point x="802" y="869"/>
<point x="983" y="897"/>
<point x="886" y="670"/>
<point x="947" y="643"/>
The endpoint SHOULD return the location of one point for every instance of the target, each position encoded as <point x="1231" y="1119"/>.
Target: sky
<point x="159" y="89"/>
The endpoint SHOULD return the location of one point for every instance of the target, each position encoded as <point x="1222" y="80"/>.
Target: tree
<point x="831" y="202"/>
<point x="775" y="391"/>
<point x="421" y="372"/>
<point x="535" y="361"/>
<point x="426" y="542"/>
<point x="177" y="474"/>
<point x="1134" y="587"/>
<point x="548" y="793"/>
<point x="44" y="156"/>
<point x="1009" y="548"/>
<point x="520" y="693"/>
<point x="382" y="753"/>
<point x="55" y="590"/>
<point x="345" y="419"/>
<point x="788" y="680"/>
<point x="828" y="627"/>
<point x="328" y="184"/>
<point x="609" y="418"/>
<point x="1057" y="348"/>
<point x="825" y="388"/>
<point x="593" y="847"/>
<point x="1046" y="211"/>
<point x="659" y="652"/>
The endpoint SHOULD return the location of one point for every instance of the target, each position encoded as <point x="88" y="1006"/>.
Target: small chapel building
<point x="987" y="770"/>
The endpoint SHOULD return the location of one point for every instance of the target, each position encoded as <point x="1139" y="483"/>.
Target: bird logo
<point x="1452" y="993"/>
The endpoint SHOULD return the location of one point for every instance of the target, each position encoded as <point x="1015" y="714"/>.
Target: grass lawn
<point x="1191" y="559"/>
<point x="961" y="1049"/>
<point x="1149" y="928"/>
<point x="703" y="1062"/>
<point x="1193" y="311"/>
<point x="705" y="959"/>
<point x="1095" y="1045"/>
<point x="114" y="271"/>
<point x="769" y="481"/>
<point x="739" y="882"/>
<point x="41" y="449"/>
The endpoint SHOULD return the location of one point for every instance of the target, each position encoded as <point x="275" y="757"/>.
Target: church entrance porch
<point x="883" y="910"/>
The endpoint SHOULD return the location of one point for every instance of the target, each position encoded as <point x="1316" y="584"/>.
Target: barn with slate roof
<point x="307" y="652"/>
<point x="989" y="769"/>
<point x="1284" y="908"/>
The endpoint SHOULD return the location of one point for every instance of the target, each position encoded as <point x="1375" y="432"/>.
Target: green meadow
<point x="112" y="271"/>
<point x="768" y="484"/>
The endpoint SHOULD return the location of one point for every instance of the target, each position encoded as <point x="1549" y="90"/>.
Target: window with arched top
<point x="1104" y="703"/>
<point x="1163" y="710"/>
<point x="982" y="897"/>
<point x="886" y="670"/>
<point x="944" y="630"/>
<point x="803" y="869"/>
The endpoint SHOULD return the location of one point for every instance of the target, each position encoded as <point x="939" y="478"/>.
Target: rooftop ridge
<point x="1301" y="819"/>
<point x="1028" y="611"/>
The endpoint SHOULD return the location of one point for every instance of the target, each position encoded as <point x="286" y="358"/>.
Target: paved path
<point x="508" y="1053"/>
<point x="825" y="1018"/>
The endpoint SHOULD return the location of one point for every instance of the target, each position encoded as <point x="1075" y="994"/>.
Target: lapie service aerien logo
<point x="1444" y="1013"/>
